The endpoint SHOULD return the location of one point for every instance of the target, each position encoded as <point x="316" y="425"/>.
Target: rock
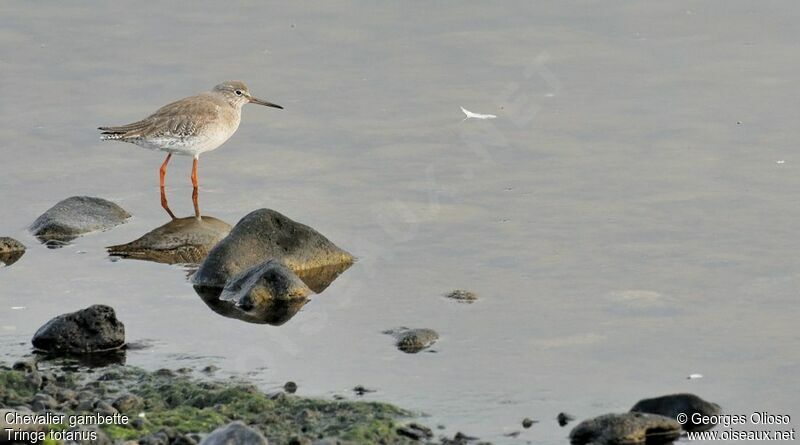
<point x="528" y="422"/>
<point x="564" y="418"/>
<point x="415" y="431"/>
<point x="42" y="402"/>
<point x="85" y="433"/>
<point x="11" y="250"/>
<point x="632" y="428"/>
<point x="180" y="241"/>
<point x="127" y="403"/>
<point x="462" y="296"/>
<point x="25" y="365"/>
<point x="76" y="216"/>
<point x="7" y="428"/>
<point x="235" y="433"/>
<point x="674" y="404"/>
<point x="264" y="235"/>
<point x="413" y="340"/>
<point x="290" y="387"/>
<point x="360" y="390"/>
<point x="94" y="329"/>
<point x="261" y="284"/>
<point x="104" y="408"/>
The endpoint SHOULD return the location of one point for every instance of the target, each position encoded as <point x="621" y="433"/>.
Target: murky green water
<point x="628" y="219"/>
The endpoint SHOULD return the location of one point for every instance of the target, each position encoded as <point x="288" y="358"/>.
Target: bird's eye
<point x="238" y="92"/>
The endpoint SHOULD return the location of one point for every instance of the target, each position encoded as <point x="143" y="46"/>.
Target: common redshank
<point x="190" y="126"/>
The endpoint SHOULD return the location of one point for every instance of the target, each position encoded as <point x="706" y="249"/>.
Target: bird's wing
<point x="181" y="118"/>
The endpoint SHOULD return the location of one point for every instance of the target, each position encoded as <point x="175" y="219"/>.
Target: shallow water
<point x="627" y="220"/>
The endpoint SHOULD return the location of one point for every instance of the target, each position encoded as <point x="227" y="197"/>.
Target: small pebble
<point x="564" y="419"/>
<point x="528" y="422"/>
<point x="290" y="387"/>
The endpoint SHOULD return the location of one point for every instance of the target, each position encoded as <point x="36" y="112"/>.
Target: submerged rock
<point x="10" y="250"/>
<point x="273" y="312"/>
<point x="94" y="329"/>
<point x="563" y="419"/>
<point x="674" y="404"/>
<point x="235" y="433"/>
<point x="462" y="296"/>
<point x="257" y="286"/>
<point x="628" y="428"/>
<point x="76" y="216"/>
<point x="180" y="241"/>
<point x="413" y="340"/>
<point x="264" y="235"/>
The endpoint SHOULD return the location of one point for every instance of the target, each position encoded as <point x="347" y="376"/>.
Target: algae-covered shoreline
<point x="181" y="407"/>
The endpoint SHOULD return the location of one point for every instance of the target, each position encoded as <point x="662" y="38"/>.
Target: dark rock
<point x="459" y="439"/>
<point x="11" y="250"/>
<point x="512" y="434"/>
<point x="180" y="241"/>
<point x="261" y="284"/>
<point x="290" y="387"/>
<point x="127" y="403"/>
<point x="413" y="340"/>
<point x="528" y="422"/>
<point x="42" y="402"/>
<point x="674" y="404"/>
<point x="210" y="369"/>
<point x="415" y="431"/>
<point x="300" y="440"/>
<point x="89" y="330"/>
<point x="564" y="418"/>
<point x="25" y="365"/>
<point x="264" y="235"/>
<point x="235" y="433"/>
<point x="360" y="390"/>
<point x="137" y="423"/>
<point x="75" y="216"/>
<point x="462" y="296"/>
<point x="274" y="312"/>
<point x="628" y="428"/>
<point x="182" y="439"/>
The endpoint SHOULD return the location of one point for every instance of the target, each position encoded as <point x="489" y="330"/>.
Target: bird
<point x="189" y="127"/>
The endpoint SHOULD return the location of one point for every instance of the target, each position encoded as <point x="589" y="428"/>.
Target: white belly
<point x="188" y="145"/>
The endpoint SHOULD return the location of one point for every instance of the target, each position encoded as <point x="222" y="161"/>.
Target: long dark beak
<point x="255" y="100"/>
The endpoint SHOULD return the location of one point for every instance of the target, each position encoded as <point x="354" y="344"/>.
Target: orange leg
<point x="162" y="174"/>
<point x="196" y="205"/>
<point x="194" y="172"/>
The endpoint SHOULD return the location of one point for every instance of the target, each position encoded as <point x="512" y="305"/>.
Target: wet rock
<point x="264" y="235"/>
<point x="462" y="296"/>
<point x="104" y="408"/>
<point x="11" y="250"/>
<point x="76" y="216"/>
<point x="528" y="422"/>
<point x="360" y="390"/>
<point x="235" y="433"/>
<point x="180" y="241"/>
<point x="674" y="404"/>
<point x="127" y="403"/>
<point x="89" y="330"/>
<point x="415" y="431"/>
<point x="628" y="428"/>
<point x="256" y="287"/>
<point x="290" y="387"/>
<point x="25" y="365"/>
<point x="272" y="312"/>
<point x="564" y="418"/>
<point x="413" y="340"/>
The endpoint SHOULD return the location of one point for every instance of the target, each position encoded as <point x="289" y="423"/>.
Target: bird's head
<point x="237" y="94"/>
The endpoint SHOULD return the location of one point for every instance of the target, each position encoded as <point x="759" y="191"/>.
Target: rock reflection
<point x="180" y="241"/>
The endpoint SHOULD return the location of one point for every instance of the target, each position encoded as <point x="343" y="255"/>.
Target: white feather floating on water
<point x="695" y="376"/>
<point x="471" y="115"/>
